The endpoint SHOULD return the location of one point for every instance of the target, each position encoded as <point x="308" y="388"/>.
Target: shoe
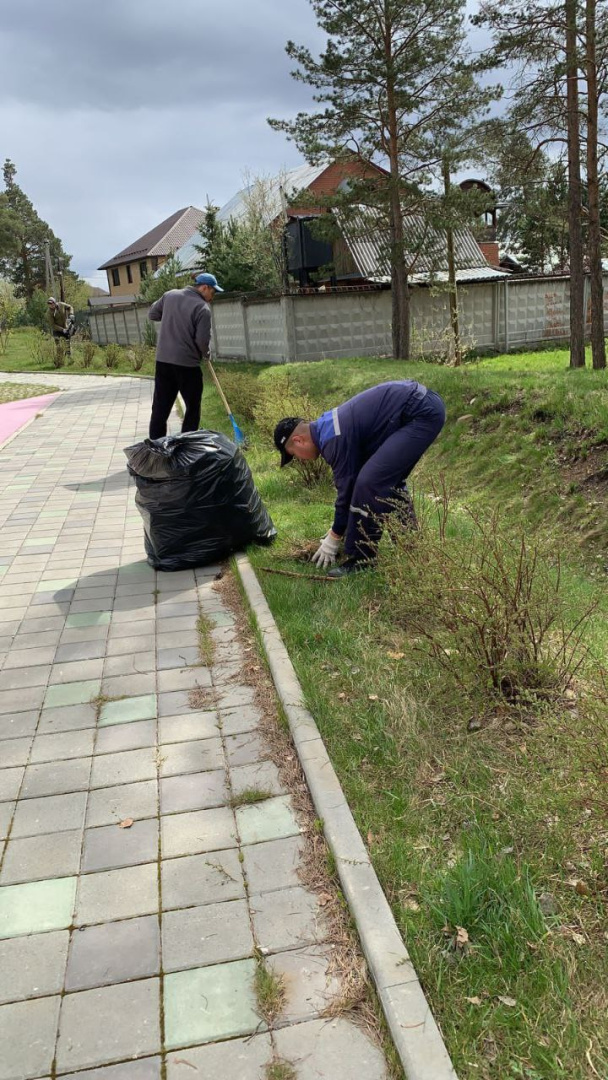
<point x="351" y="566"/>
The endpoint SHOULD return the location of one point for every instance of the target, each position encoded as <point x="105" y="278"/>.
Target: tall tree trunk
<point x="598" y="343"/>
<point x="399" y="282"/>
<point x="577" y="276"/>
<point x="28" y="287"/>
<point x="453" y="290"/>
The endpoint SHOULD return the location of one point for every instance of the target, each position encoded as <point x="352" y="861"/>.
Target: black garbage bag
<point x="197" y="498"/>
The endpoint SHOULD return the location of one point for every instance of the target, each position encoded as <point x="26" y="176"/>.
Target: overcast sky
<point x="119" y="112"/>
<point x="116" y="113"/>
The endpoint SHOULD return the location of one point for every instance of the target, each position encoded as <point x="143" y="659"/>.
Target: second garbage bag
<point x="197" y="498"/>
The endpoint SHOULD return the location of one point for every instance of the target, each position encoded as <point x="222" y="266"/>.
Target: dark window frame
<point x="143" y="269"/>
<point x="129" y="274"/>
<point x="116" y="276"/>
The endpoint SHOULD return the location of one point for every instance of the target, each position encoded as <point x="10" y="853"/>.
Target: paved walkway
<point x="137" y="899"/>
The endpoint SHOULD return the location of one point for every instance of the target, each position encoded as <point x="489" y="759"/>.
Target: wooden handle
<point x="219" y="389"/>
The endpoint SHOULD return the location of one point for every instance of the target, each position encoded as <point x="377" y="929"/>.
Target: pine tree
<point x="385" y="81"/>
<point x="559" y="75"/>
<point x="23" y="235"/>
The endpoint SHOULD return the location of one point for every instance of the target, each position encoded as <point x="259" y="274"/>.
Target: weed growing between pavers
<point x="206" y="643"/>
<point x="280" y="1070"/>
<point x="269" y="989"/>
<point x="249" y="797"/>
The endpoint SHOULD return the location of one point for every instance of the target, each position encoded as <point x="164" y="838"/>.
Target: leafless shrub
<point x="486" y="604"/>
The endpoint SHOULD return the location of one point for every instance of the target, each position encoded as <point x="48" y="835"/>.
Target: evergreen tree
<point x="386" y="81"/>
<point x="23" y="235"/>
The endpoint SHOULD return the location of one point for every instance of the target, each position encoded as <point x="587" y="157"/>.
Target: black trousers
<point x="169" y="381"/>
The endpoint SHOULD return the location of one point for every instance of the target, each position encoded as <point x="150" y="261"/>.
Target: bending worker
<point x="372" y="443"/>
<point x="183" y="341"/>
<point x="61" y="319"/>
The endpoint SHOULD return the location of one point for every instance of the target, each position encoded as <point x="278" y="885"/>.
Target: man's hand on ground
<point x="328" y="551"/>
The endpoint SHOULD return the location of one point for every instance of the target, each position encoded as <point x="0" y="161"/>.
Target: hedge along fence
<point x="498" y="315"/>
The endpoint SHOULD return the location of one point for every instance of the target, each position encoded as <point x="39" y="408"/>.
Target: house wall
<point x="501" y="315"/>
<point x="126" y="287"/>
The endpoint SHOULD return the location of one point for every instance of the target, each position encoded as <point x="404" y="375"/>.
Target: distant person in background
<point x="61" y="318"/>
<point x="183" y="342"/>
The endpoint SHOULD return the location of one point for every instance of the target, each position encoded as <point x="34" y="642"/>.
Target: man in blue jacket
<point x="372" y="443"/>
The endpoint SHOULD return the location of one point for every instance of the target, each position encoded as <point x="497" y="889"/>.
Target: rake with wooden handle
<point x="239" y="437"/>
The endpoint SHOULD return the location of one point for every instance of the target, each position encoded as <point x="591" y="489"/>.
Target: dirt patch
<point x="588" y="472"/>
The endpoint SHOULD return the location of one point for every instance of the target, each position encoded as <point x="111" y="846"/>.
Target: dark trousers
<point x="381" y="482"/>
<point x="169" y="381"/>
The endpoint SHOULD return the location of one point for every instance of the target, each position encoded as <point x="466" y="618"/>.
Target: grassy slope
<point x="468" y="830"/>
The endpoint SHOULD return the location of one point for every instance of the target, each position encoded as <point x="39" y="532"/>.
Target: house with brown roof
<point x="145" y="255"/>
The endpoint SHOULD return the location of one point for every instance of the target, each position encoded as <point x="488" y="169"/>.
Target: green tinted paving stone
<point x="271" y="820"/>
<point x="128" y="709"/>
<point x="37" y="906"/>
<point x="38" y="541"/>
<point x="88" y="618"/>
<point x="56" y="584"/>
<point x="76" y="693"/>
<point x="3" y="570"/>
<point x="212" y="1003"/>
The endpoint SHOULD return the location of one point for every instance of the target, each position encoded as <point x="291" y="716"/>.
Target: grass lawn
<point x="500" y="831"/>
<point x="18" y="391"/>
<point x="490" y="838"/>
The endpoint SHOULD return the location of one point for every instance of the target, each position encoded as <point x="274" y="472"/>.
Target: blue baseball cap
<point x="208" y="279"/>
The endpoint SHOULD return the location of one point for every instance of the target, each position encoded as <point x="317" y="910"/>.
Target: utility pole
<point x="48" y="269"/>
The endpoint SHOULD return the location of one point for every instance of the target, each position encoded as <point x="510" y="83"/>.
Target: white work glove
<point x="327" y="552"/>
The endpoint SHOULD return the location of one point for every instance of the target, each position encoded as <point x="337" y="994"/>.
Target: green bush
<point x="140" y="355"/>
<point x="88" y="349"/>
<point x="242" y="392"/>
<point x="281" y="397"/>
<point x="113" y="355"/>
<point x="43" y="350"/>
<point x="149" y="335"/>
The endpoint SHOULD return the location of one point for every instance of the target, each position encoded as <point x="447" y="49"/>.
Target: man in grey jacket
<point x="183" y="341"/>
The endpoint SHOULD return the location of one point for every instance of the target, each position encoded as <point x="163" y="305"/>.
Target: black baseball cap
<point x="282" y="432"/>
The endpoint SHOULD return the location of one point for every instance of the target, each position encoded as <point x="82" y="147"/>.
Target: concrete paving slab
<point x="110" y="847"/>
<point x="330" y="1048"/>
<point x="36" y="858"/>
<point x="273" y="865"/>
<point x="273" y="819"/>
<point x="27" y="1036"/>
<point x="212" y="934"/>
<point x="113" y="952"/>
<point x="116" y="894"/>
<point x="194" y="880"/>
<point x="208" y="1004"/>
<point x="288" y="919"/>
<point x="110" y="805"/>
<point x="245" y="1059"/>
<point x="136" y="735"/>
<point x="53" y="813"/>
<point x="33" y="966"/>
<point x="100" y="1026"/>
<point x="36" y="906"/>
<point x="199" y="831"/>
<point x="195" y="791"/>
<point x="188" y="727"/>
<point x="198" y="756"/>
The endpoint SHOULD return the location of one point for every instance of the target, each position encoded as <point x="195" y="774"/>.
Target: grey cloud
<point x="149" y="52"/>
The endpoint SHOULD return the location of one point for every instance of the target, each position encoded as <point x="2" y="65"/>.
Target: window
<point x="116" y="276"/>
<point x="129" y="275"/>
<point x="143" y="269"/>
<point x="155" y="264"/>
